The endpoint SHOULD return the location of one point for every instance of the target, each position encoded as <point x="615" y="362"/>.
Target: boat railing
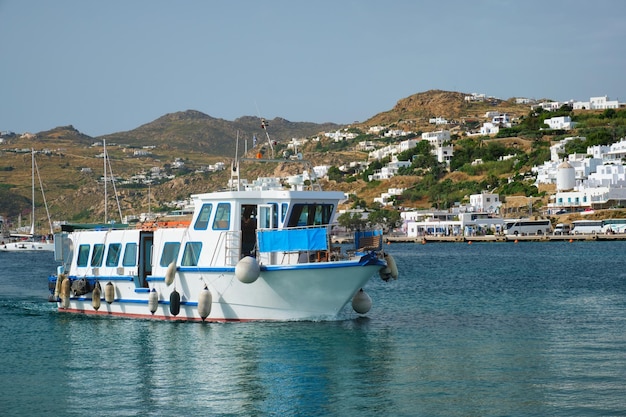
<point x="230" y="242"/>
<point x="292" y="239"/>
<point x="302" y="244"/>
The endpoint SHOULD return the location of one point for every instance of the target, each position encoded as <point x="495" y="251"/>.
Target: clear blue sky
<point x="110" y="66"/>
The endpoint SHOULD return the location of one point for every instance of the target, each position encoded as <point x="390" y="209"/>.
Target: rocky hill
<point x="193" y="131"/>
<point x="71" y="170"/>
<point x="416" y="110"/>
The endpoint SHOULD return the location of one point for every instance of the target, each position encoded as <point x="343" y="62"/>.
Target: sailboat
<point x="20" y="242"/>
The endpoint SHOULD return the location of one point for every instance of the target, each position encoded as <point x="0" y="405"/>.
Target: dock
<point x="505" y="238"/>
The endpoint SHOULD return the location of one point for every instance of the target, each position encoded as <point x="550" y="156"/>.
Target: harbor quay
<point x="504" y="238"/>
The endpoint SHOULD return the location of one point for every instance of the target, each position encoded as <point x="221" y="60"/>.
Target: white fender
<point x="361" y="302"/>
<point x="385" y="273"/>
<point x="204" y="303"/>
<point x="95" y="297"/>
<point x="57" y="287"/>
<point x="247" y="270"/>
<point x="65" y="292"/>
<point x="153" y="301"/>
<point x="109" y="292"/>
<point x="170" y="273"/>
<point x="391" y="264"/>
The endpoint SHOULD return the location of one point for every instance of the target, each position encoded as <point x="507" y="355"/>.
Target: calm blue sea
<point x="488" y="329"/>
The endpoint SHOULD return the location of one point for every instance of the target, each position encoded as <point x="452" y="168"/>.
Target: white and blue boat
<point x="255" y="252"/>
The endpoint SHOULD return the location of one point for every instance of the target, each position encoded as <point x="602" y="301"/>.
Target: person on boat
<point x="248" y="230"/>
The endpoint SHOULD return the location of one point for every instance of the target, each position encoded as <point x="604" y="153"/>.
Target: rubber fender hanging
<point x="391" y="264"/>
<point x="109" y="292"/>
<point x="65" y="293"/>
<point x="153" y="301"/>
<point x="361" y="302"/>
<point x="57" y="287"/>
<point x="174" y="303"/>
<point x="247" y="270"/>
<point x="204" y="303"/>
<point x="385" y="273"/>
<point x="95" y="297"/>
<point x="170" y="274"/>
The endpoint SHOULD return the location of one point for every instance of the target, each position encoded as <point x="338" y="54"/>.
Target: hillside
<point x="193" y="131"/>
<point x="72" y="171"/>
<point x="417" y="109"/>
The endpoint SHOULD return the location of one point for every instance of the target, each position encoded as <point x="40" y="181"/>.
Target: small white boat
<point x="257" y="252"/>
<point x="29" y="244"/>
<point x="20" y="242"/>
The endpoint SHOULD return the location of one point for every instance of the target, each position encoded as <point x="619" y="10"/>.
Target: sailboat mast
<point x="32" y="213"/>
<point x="104" y="145"/>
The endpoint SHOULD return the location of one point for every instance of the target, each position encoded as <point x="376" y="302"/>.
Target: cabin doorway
<point x="248" y="229"/>
<point x="145" y="257"/>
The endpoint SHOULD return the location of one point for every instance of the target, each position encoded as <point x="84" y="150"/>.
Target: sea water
<point x="487" y="329"/>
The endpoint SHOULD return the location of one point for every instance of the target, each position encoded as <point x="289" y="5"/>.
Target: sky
<point x="112" y="66"/>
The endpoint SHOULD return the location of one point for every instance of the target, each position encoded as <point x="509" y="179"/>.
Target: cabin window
<point x="170" y="253"/>
<point x="113" y="255"/>
<point x="283" y="212"/>
<point x="97" y="255"/>
<point x="275" y="214"/>
<point x="222" y="217"/>
<point x="83" y="255"/>
<point x="191" y="254"/>
<point x="202" y="222"/>
<point x="130" y="255"/>
<point x="310" y="214"/>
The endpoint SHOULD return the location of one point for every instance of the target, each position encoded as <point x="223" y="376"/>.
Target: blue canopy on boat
<point x="310" y="239"/>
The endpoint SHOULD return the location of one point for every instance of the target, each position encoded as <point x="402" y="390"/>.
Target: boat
<point x="29" y="241"/>
<point x="251" y="252"/>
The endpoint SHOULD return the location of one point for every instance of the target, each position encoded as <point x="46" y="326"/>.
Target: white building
<point x="596" y="103"/>
<point x="405" y="145"/>
<point x="390" y="170"/>
<point x="475" y="97"/>
<point x="374" y="130"/>
<point x="559" y="147"/>
<point x="438" y="121"/>
<point x="385" y="198"/>
<point x="366" y="145"/>
<point x="440" y="141"/>
<point x="552" y="105"/>
<point x="443" y="223"/>
<point x="485" y="202"/>
<point x="562" y="122"/>
<point x="616" y="152"/>
<point x="340" y="136"/>
<point x="498" y="120"/>
<point x="321" y="170"/>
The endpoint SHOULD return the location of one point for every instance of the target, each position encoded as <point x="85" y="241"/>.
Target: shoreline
<point x="492" y="238"/>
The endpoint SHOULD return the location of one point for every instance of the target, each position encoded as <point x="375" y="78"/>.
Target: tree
<point x="334" y="174"/>
<point x="351" y="221"/>
<point x="387" y="219"/>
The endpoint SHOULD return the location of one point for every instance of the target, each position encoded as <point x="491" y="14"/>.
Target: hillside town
<point x="582" y="182"/>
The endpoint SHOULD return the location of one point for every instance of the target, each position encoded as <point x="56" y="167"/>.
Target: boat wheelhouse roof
<point x="93" y="226"/>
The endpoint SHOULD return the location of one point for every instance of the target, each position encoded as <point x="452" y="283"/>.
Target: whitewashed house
<point x="596" y="103"/>
<point x="485" y="202"/>
<point x="562" y="122"/>
<point x="440" y="141"/>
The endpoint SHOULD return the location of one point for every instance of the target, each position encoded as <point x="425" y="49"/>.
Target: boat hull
<point x="301" y="292"/>
<point x="27" y="246"/>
